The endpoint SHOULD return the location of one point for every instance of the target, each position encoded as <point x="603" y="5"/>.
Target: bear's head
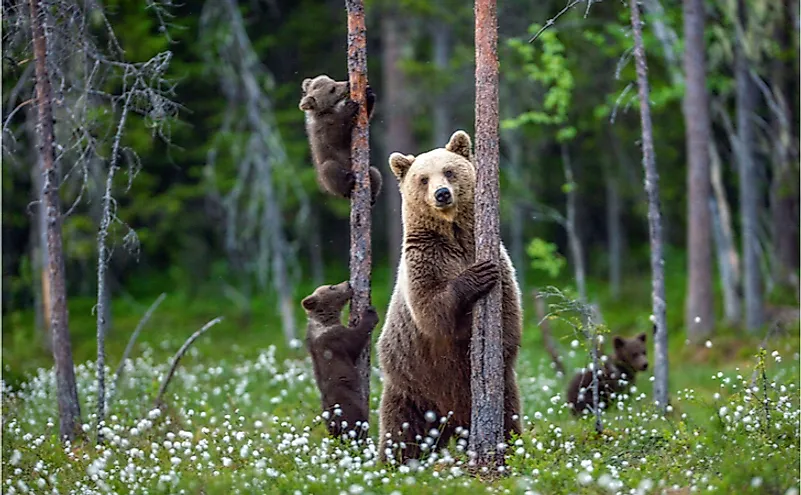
<point x="440" y="182"/>
<point x="322" y="93"/>
<point x="327" y="301"/>
<point x="632" y="351"/>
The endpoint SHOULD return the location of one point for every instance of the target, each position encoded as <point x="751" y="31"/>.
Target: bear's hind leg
<point x="337" y="178"/>
<point x="401" y="422"/>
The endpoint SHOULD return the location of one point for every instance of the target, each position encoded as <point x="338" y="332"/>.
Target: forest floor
<point x="242" y="415"/>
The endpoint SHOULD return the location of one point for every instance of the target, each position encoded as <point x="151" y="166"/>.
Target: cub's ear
<point x="400" y="164"/>
<point x="618" y="342"/>
<point x="461" y="145"/>
<point x="305" y="85"/>
<point x="307" y="103"/>
<point x="642" y="337"/>
<point x="309" y="303"/>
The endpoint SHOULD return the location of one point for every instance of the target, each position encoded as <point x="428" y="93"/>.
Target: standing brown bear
<point x="617" y="374"/>
<point x="330" y="117"/>
<point x="334" y="349"/>
<point x="424" y="347"/>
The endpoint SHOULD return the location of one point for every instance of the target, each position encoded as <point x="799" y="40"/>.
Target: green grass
<point x="242" y="413"/>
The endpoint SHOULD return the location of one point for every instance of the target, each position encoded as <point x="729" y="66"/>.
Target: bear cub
<point x="334" y="349"/>
<point x="617" y="374"/>
<point x="330" y="118"/>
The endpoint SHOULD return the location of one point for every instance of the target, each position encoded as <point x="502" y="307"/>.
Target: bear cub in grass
<point x="334" y="349"/>
<point x="617" y="375"/>
<point x="330" y="118"/>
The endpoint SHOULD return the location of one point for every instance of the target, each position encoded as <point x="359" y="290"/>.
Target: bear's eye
<point x="449" y="174"/>
<point x="424" y="181"/>
<point x="333" y="287"/>
<point x="332" y="90"/>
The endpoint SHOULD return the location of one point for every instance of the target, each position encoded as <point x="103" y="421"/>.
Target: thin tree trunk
<point x="545" y="328"/>
<point x="614" y="235"/>
<point x="68" y="406"/>
<point x="749" y="179"/>
<point x="654" y="217"/>
<point x="728" y="258"/>
<point x="699" y="318"/>
<point x="316" y="251"/>
<point x="576" y="252"/>
<point x="399" y="125"/>
<point x="486" y="345"/>
<point x="360" y="221"/>
<point x="518" y="249"/>
<point x="441" y="39"/>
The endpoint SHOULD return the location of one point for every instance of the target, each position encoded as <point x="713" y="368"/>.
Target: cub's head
<point x="327" y="300"/>
<point x="632" y="351"/>
<point x="322" y="93"/>
<point x="441" y="180"/>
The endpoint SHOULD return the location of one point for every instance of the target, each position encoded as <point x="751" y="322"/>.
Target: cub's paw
<point x="369" y="317"/>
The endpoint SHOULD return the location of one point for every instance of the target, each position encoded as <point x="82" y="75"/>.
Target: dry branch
<point x="179" y="355"/>
<point x="360" y="219"/>
<point x="486" y="345"/>
<point x="545" y="328"/>
<point x="132" y="341"/>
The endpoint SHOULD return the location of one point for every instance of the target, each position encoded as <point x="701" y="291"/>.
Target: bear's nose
<point x="443" y="195"/>
<point x="645" y="366"/>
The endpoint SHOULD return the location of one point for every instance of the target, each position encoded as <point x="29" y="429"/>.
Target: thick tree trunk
<point x="614" y="234"/>
<point x="728" y="257"/>
<point x="699" y="318"/>
<point x="399" y="125"/>
<point x="68" y="406"/>
<point x="654" y="217"/>
<point x="360" y="221"/>
<point x="486" y="345"/>
<point x="749" y="180"/>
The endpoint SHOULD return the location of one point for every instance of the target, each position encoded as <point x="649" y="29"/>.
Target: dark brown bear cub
<point x="330" y="117"/>
<point x="617" y="374"/>
<point x="334" y="349"/>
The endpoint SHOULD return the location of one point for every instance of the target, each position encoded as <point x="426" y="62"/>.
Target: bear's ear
<point x="642" y="337"/>
<point x="309" y="303"/>
<point x="461" y="145"/>
<point x="618" y="342"/>
<point x="400" y="164"/>
<point x="305" y="85"/>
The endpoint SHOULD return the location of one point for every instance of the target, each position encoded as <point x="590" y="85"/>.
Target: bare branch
<point x="180" y="354"/>
<point x="550" y="22"/>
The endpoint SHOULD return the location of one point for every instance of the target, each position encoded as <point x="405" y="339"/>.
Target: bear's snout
<point x="443" y="196"/>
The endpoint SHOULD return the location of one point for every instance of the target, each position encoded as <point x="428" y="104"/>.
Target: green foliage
<point x="545" y="257"/>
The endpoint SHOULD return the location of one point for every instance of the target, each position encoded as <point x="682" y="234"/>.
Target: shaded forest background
<point x="199" y="203"/>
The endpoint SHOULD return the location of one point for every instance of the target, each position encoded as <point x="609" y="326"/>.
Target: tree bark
<point x="746" y="102"/>
<point x="486" y="345"/>
<point x="654" y="217"/>
<point x="699" y="317"/>
<point x="68" y="405"/>
<point x="399" y="126"/>
<point x="360" y="221"/>
<point x="728" y="257"/>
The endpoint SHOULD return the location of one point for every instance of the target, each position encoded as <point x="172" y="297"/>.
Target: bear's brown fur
<point x="330" y="117"/>
<point x="424" y="347"/>
<point x="334" y="349"/>
<point x="618" y="373"/>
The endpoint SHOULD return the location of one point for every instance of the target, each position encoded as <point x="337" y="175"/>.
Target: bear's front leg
<point x="476" y="281"/>
<point x="337" y="178"/>
<point x="375" y="184"/>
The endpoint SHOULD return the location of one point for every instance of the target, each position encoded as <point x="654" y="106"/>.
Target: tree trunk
<point x="699" y="318"/>
<point x="728" y="257"/>
<point x="360" y="221"/>
<point x="316" y="251"/>
<point x="576" y="252"/>
<point x="654" y="217"/>
<point x="399" y="125"/>
<point x="614" y="234"/>
<point x="518" y="221"/>
<point x="441" y="39"/>
<point x="749" y="180"/>
<point x="784" y="194"/>
<point x="547" y="335"/>
<point x="486" y="345"/>
<point x="68" y="405"/>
